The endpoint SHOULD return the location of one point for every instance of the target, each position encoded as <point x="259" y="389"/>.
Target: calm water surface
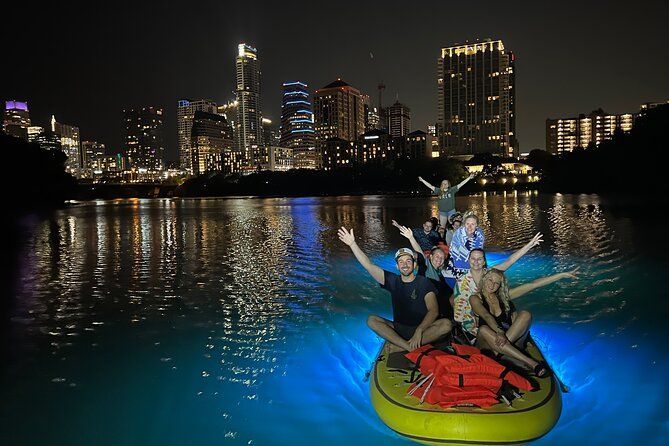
<point x="242" y="321"/>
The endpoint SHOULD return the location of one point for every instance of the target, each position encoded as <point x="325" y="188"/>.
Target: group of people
<point x="445" y="286"/>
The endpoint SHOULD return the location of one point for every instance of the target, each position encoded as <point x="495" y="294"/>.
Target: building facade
<point x="186" y="110"/>
<point x="399" y="120"/>
<point x="476" y="99"/>
<point x="338" y="153"/>
<point x="143" y="141"/>
<point x="249" y="112"/>
<point x="567" y="134"/>
<point x="211" y="143"/>
<point x="338" y="113"/>
<point x="91" y="151"/>
<point x="280" y="158"/>
<point x="16" y="119"/>
<point x="297" y="125"/>
<point x="70" y="144"/>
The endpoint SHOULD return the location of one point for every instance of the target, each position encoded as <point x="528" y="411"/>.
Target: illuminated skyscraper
<point x="16" y="119"/>
<point x="144" y="148"/>
<point x="70" y="145"/>
<point x="185" y="113"/>
<point x="399" y="120"/>
<point x="338" y="113"/>
<point x="249" y="113"/>
<point x="211" y="143"/>
<point x="297" y="125"/>
<point x="91" y="152"/>
<point x="476" y="102"/>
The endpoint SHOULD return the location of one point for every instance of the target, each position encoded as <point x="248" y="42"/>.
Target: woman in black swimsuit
<point x="502" y="328"/>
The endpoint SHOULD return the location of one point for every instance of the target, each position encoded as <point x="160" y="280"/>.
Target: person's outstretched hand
<point x="420" y="179"/>
<point x="573" y="274"/>
<point x="406" y="232"/>
<point x="346" y="236"/>
<point x="536" y="240"/>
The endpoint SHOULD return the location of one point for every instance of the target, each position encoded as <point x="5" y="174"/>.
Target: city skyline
<point x="556" y="74"/>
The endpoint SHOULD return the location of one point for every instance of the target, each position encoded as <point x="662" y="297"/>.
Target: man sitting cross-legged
<point x="414" y="300"/>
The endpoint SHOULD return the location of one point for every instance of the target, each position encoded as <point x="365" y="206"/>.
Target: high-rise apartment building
<point x="399" y="120"/>
<point x="338" y="113"/>
<point x="476" y="101"/>
<point x="186" y="109"/>
<point x="249" y="113"/>
<point x="566" y="134"/>
<point x="297" y="125"/>
<point x="16" y="119"/>
<point x="70" y="144"/>
<point x="144" y="147"/>
<point x="371" y="118"/>
<point x="91" y="152"/>
<point x="211" y="143"/>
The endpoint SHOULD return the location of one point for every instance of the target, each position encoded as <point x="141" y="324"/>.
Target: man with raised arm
<point x="415" y="309"/>
<point x="446" y="195"/>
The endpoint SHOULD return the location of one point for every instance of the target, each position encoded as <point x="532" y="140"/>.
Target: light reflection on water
<point x="212" y="320"/>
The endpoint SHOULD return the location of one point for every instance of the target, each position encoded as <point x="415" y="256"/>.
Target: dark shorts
<point x="406" y="331"/>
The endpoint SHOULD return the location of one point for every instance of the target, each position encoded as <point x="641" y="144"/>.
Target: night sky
<point x="86" y="62"/>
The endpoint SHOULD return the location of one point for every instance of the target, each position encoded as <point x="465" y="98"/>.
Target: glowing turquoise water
<point x="242" y="321"/>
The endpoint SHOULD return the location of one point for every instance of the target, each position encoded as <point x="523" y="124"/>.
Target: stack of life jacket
<point x="463" y="378"/>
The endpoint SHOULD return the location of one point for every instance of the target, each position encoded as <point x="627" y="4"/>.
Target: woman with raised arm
<point x="500" y="327"/>
<point x="446" y="195"/>
<point x="469" y="284"/>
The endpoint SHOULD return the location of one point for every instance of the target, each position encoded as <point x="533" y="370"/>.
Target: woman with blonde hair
<point x="501" y="327"/>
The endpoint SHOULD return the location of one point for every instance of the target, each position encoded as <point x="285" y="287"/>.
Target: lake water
<point x="242" y="321"/>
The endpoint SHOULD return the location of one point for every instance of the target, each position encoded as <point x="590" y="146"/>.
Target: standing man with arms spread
<point x="414" y="299"/>
<point x="446" y="195"/>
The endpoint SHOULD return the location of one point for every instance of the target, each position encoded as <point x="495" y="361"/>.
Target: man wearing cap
<point x="415" y="309"/>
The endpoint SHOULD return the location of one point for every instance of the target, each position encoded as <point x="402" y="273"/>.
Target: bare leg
<point x="521" y="324"/>
<point x="439" y="328"/>
<point x="443" y="219"/>
<point x="486" y="339"/>
<point x="385" y="329"/>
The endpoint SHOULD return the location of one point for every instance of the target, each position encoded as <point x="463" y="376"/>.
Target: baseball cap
<point x="405" y="252"/>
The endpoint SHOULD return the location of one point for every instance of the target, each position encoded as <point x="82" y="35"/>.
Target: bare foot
<point x="392" y="348"/>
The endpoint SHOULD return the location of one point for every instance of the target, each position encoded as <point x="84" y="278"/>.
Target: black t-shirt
<point x="408" y="298"/>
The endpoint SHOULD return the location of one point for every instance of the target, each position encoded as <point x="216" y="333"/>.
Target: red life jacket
<point x="465" y="378"/>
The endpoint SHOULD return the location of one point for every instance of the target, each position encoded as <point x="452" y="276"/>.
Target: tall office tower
<point x="476" y="102"/>
<point x="399" y="120"/>
<point x="297" y="125"/>
<point x="144" y="147"/>
<point x="34" y="131"/>
<point x="371" y="118"/>
<point x="48" y="140"/>
<point x="585" y="131"/>
<point x="249" y="113"/>
<point x="185" y="112"/>
<point x="91" y="151"/>
<point x="16" y="119"/>
<point x="338" y="113"/>
<point x="70" y="145"/>
<point x="211" y="143"/>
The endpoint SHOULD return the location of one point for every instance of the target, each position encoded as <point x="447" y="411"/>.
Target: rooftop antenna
<point x="381" y="85"/>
